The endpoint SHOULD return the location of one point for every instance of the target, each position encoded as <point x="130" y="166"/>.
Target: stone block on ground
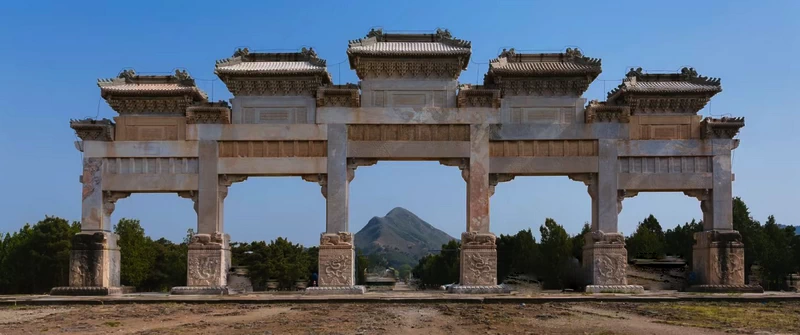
<point x="334" y="290"/>
<point x="478" y="260"/>
<point x="336" y="260"/>
<point x="718" y="258"/>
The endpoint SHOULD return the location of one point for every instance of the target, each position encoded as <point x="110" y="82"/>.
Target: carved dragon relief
<point x="610" y="269"/>
<point x="204" y="270"/>
<point x="481" y="269"/>
<point x="336" y="271"/>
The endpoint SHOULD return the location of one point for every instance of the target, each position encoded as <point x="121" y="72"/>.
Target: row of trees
<point x="280" y="260"/>
<point x="555" y="260"/>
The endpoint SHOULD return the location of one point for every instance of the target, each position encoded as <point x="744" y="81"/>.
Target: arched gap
<point x="525" y="203"/>
<point x="265" y="208"/>
<point x="431" y="191"/>
<point x="670" y="208"/>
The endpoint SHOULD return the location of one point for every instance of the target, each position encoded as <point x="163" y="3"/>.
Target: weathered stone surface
<point x="136" y="149"/>
<point x="478" y="289"/>
<point x="478" y="259"/>
<point x="605" y="258"/>
<point x="238" y="281"/>
<point x="336" y="265"/>
<point x="199" y="290"/>
<point x="338" y="198"/>
<point x="478" y="180"/>
<point x="91" y="290"/>
<point x="630" y="289"/>
<point x="207" y="260"/>
<point x="336" y="290"/>
<point x="718" y="258"/>
<point x="94" y="260"/>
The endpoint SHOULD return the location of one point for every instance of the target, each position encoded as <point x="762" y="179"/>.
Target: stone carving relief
<point x="93" y="130"/>
<point x="209" y="113"/>
<point x="339" y="96"/>
<point x="665" y="164"/>
<point x="322" y="179"/>
<point x="338" y="239"/>
<point x="481" y="268"/>
<point x="294" y="148"/>
<point x="601" y="237"/>
<point x="274" y="87"/>
<point x="600" y="112"/>
<point x="337" y="271"/>
<point x="226" y="180"/>
<point x="543" y="148"/>
<point x="610" y="269"/>
<point x="461" y="163"/>
<point x="727" y="265"/>
<point x="91" y="176"/>
<point x="408" y="132"/>
<point x="473" y="239"/>
<point x="545" y="87"/>
<point x="150" y="105"/>
<point x="496" y="178"/>
<point x="409" y="69"/>
<point x="154" y="165"/>
<point x="477" y="96"/>
<point x="204" y="270"/>
<point x="190" y="195"/>
<point x="217" y="238"/>
<point x="110" y="199"/>
<point x="724" y="128"/>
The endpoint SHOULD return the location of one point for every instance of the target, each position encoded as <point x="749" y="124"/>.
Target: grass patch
<point x="112" y="324"/>
<point x="781" y="317"/>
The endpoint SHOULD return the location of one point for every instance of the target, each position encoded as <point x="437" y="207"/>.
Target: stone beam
<point x="664" y="148"/>
<point x="408" y="149"/>
<point x="664" y="182"/>
<point x="407" y="115"/>
<point x="575" y="131"/>
<point x="543" y="165"/>
<point x="133" y="149"/>
<point x="256" y="132"/>
<point x="273" y="166"/>
<point x="150" y="182"/>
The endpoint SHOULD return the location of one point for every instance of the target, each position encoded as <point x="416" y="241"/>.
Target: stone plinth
<point x="478" y="260"/>
<point x="94" y="265"/>
<point x="207" y="270"/>
<point x="239" y="281"/>
<point x="336" y="290"/>
<point x="605" y="261"/>
<point x="477" y="289"/>
<point x="336" y="260"/>
<point x="718" y="262"/>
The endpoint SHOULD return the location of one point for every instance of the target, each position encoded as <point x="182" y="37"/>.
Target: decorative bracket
<point x="495" y="178"/>
<point x="354" y="163"/>
<point x="110" y="199"/>
<point x="621" y="195"/>
<point x="588" y="179"/>
<point x="322" y="179"/>
<point x="461" y="163"/>
<point x="190" y="195"/>
<point x="226" y="180"/>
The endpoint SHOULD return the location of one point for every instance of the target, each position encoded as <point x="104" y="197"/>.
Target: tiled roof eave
<point x="106" y="92"/>
<point x="567" y="73"/>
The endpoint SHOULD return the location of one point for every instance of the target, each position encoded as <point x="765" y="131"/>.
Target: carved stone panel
<point x="543" y="148"/>
<point x="605" y="259"/>
<point x="478" y="266"/>
<point x="155" y="165"/>
<point x="665" y="164"/>
<point x="94" y="260"/>
<point x="275" y="115"/>
<point x="402" y="132"/>
<point x="206" y="265"/>
<point x="718" y="257"/>
<point x="273" y="148"/>
<point x="336" y="266"/>
<point x="150" y="128"/>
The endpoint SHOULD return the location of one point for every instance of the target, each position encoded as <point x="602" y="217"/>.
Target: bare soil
<point x="427" y="319"/>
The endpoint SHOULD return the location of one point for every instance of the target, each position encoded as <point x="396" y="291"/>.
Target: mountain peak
<point x="401" y="236"/>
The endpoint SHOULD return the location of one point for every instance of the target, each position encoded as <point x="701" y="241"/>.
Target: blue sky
<point x="53" y="53"/>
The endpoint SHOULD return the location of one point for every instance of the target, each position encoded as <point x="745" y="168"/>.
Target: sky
<point x="53" y="52"/>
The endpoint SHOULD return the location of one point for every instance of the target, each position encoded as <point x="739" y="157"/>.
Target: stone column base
<point x="94" y="260"/>
<point x="333" y="290"/>
<point x="91" y="290"/>
<point x="629" y="289"/>
<point x="471" y="289"/>
<point x="337" y="260"/>
<point x="199" y="290"/>
<point x="478" y="263"/>
<point x="605" y="261"/>
<point x="718" y="258"/>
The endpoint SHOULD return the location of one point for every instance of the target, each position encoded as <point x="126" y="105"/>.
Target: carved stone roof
<point x="477" y="96"/>
<point x="440" y="44"/>
<point x="346" y="95"/>
<point x="685" y="82"/>
<point x="597" y="111"/>
<point x="246" y="63"/>
<point x="726" y="127"/>
<point x="209" y="112"/>
<point x="93" y="130"/>
<point x="569" y="63"/>
<point x="130" y="84"/>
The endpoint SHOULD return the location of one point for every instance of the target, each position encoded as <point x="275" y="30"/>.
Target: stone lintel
<point x="273" y="166"/>
<point x="543" y="165"/>
<point x="407" y="115"/>
<point x="665" y="148"/>
<point x="142" y="183"/>
<point x="134" y="149"/>
<point x="257" y="132"/>
<point x="408" y="149"/>
<point x="664" y="182"/>
<point x="574" y="131"/>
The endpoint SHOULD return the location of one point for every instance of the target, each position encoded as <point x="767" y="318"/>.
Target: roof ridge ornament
<point x="443" y="33"/>
<point x="184" y="77"/>
<point x="635" y="72"/>
<point x="127" y="74"/>
<point x="240" y="52"/>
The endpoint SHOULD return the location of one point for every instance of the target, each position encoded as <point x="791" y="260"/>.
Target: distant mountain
<point x="796" y="228"/>
<point x="401" y="237"/>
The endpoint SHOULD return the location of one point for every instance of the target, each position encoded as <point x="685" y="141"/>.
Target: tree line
<point x="555" y="260"/>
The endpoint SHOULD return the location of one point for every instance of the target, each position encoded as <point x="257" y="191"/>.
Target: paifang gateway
<point x="287" y="118"/>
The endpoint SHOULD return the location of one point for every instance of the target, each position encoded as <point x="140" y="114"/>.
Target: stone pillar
<point x="95" y="256"/>
<point x="337" y="273"/>
<point x="718" y="252"/>
<point x="478" y="257"/>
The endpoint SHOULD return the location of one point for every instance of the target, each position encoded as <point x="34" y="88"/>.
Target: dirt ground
<point x="427" y="319"/>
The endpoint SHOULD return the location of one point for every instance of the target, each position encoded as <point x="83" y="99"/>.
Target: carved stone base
<point x="91" y="290"/>
<point x="199" y="290"/>
<point x="718" y="258"/>
<point x="615" y="289"/>
<point x="207" y="261"/>
<point x="726" y="288"/>
<point x="478" y="260"/>
<point x="94" y="260"/>
<point x="605" y="259"/>
<point x="337" y="260"/>
<point x="358" y="289"/>
<point x="470" y="289"/>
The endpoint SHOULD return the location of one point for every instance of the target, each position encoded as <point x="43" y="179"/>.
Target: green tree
<point x="136" y="252"/>
<point x="286" y="262"/>
<point x="556" y="251"/>
<point x="362" y="264"/>
<point x="313" y="259"/>
<point x="404" y="271"/>
<point x="647" y="241"/>
<point x="441" y="269"/>
<point x="579" y="240"/>
<point x="680" y="240"/>
<point x="169" y="267"/>
<point x="778" y="260"/>
<point x="752" y="235"/>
